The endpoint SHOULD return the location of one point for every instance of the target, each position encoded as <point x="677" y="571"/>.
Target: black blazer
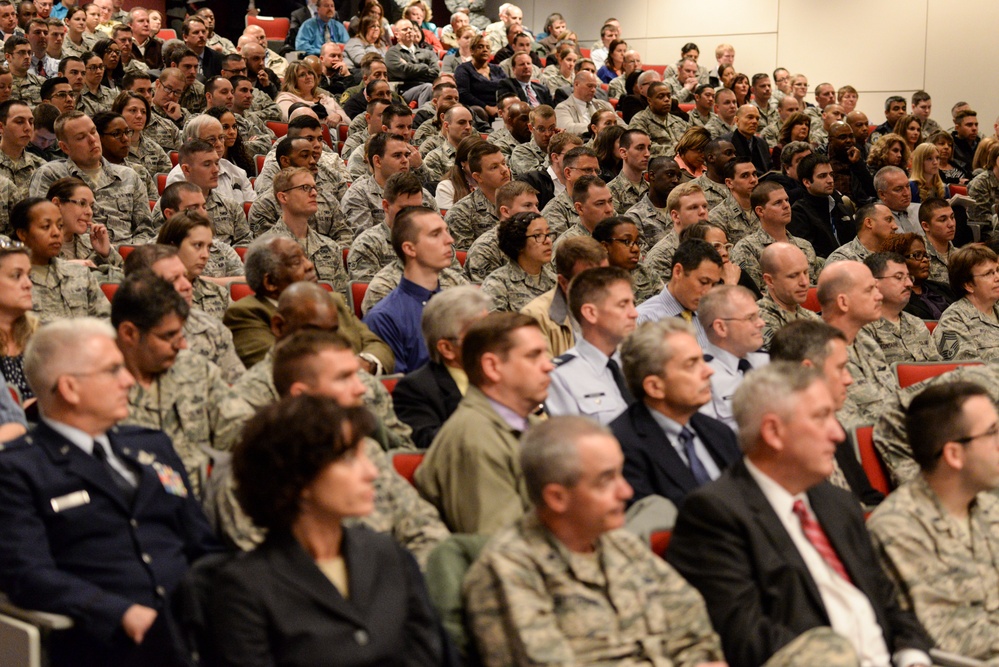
<point x="511" y="85"/>
<point x="273" y="606"/>
<point x="295" y="21"/>
<point x="811" y="220"/>
<point x="755" y="149"/>
<point x="543" y="183"/>
<point x="652" y="465"/>
<point x="211" y="64"/>
<point x="424" y="399"/>
<point x="730" y="544"/>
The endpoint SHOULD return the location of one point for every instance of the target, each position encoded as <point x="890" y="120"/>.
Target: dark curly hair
<point x="511" y="235"/>
<point x="238" y="154"/>
<point x="284" y="447"/>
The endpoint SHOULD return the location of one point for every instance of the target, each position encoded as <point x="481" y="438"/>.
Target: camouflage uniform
<point x="659" y="259"/>
<point x="20" y="172"/>
<point x="696" y="120"/>
<point x="193" y="98"/>
<point x="61" y="289"/>
<point x="469" y="218"/>
<point x="210" y="297"/>
<point x="228" y="221"/>
<point x="890" y="436"/>
<point x="653" y="222"/>
<point x="678" y="91"/>
<point x="355" y="140"/>
<point x="575" y="230"/>
<point x="207" y="336"/>
<point x="938" y="263"/>
<point x="852" y="251"/>
<point x="747" y="252"/>
<point x="645" y="283"/>
<point x="217" y="40"/>
<point x="965" y="333"/>
<point x="715" y="193"/>
<point x="163" y="131"/>
<point x="139" y="168"/>
<point x="560" y="212"/>
<point x="945" y="569"/>
<point x="440" y="160"/>
<point x="528" y="157"/>
<point x="874" y="382"/>
<point x="321" y="251"/>
<point x="503" y="140"/>
<point x="109" y="267"/>
<point x="903" y="343"/>
<point x="511" y="288"/>
<point x="369" y="253"/>
<point x="8" y="197"/>
<point x="425" y="131"/>
<point x="257" y="137"/>
<point x="264" y="106"/>
<point x="735" y="220"/>
<point x="530" y="600"/>
<point x="151" y="155"/>
<point x="328" y="220"/>
<point x="92" y="104"/>
<point x="223" y="262"/>
<point x="331" y="176"/>
<point x="121" y="202"/>
<point x="626" y="194"/>
<point x="776" y="317"/>
<point x="29" y="89"/>
<point x="387" y="279"/>
<point x="984" y="189"/>
<point x="193" y="404"/>
<point x="771" y="135"/>
<point x="431" y="143"/>
<point x="357" y="166"/>
<point x="484" y="256"/>
<point x="664" y="132"/>
<point x="718" y="127"/>
<point x="554" y="79"/>
<point x="362" y="205"/>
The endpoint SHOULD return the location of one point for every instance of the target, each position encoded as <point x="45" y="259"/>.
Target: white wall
<point x="881" y="47"/>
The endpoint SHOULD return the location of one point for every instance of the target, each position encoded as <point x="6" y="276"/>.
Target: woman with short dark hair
<point x="526" y="240"/>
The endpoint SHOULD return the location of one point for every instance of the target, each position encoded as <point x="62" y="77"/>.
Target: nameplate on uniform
<point x="69" y="501"/>
<point x="171" y="480"/>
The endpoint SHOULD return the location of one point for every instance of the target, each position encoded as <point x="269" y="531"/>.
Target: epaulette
<point x="563" y="358"/>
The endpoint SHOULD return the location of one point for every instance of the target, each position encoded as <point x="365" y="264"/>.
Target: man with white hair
<point x="100" y="521"/>
<point x="233" y="184"/>
<point x="510" y="15"/>
<point x="573" y="115"/>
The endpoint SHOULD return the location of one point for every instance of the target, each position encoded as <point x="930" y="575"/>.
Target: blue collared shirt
<point x="310" y="35"/>
<point x="665" y="305"/>
<point x="512" y="419"/>
<point x="672" y="430"/>
<point x="396" y="320"/>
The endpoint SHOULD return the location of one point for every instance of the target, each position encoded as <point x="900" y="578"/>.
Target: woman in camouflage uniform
<point x="526" y="239"/>
<point x="83" y="241"/>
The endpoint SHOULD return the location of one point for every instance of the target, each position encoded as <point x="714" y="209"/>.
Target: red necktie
<point x="41" y="68"/>
<point x="532" y="99"/>
<point x="813" y="531"/>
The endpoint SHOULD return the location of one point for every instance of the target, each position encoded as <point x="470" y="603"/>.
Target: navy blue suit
<point x="651" y="463"/>
<point x="72" y="544"/>
<point x="424" y="399"/>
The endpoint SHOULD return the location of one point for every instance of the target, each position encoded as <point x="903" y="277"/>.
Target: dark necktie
<point x="813" y="531"/>
<point x="697" y="468"/>
<point x="622" y="386"/>
<point x="532" y="99"/>
<point x="119" y="480"/>
<point x="745" y="366"/>
<point x="41" y="68"/>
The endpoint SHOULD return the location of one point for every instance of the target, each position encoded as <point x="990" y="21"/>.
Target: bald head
<point x="304" y="305"/>
<point x="849" y="296"/>
<point x="778" y="257"/>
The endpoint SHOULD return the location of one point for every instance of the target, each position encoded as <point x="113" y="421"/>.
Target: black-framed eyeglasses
<point x="175" y="93"/>
<point x="991" y="433"/>
<point x="118" y="135"/>
<point x="900" y="277"/>
<point x="917" y="256"/>
<point x="541" y="238"/>
<point x="304" y="187"/>
<point x="628" y="243"/>
<point x="241" y="70"/>
<point x="62" y="93"/>
<point x="95" y="68"/>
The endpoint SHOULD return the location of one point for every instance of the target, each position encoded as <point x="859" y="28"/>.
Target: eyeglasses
<point x="171" y="91"/>
<point x="755" y="317"/>
<point x="112" y="371"/>
<point x="917" y="256"/>
<point x="64" y="93"/>
<point x="82" y="203"/>
<point x="988" y="274"/>
<point x="241" y="70"/>
<point x="120" y="134"/>
<point x="628" y="243"/>
<point x="541" y="238"/>
<point x="95" y="68"/>
<point x="992" y="433"/>
<point x="589" y="172"/>
<point x="900" y="277"/>
<point x="726" y="246"/>
<point x="304" y="187"/>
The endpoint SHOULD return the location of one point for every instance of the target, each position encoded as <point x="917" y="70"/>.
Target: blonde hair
<point x="929" y="186"/>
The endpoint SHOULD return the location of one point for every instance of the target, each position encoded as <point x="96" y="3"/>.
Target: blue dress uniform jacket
<point x="72" y="544"/>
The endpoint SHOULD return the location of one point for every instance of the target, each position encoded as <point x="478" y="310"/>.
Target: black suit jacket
<point x="811" y="220"/>
<point x="274" y="606"/>
<point x="730" y="544"/>
<point x="755" y="149"/>
<point x="154" y="53"/>
<point x="511" y="85"/>
<point x="424" y="399"/>
<point x="543" y="183"/>
<point x="211" y="64"/>
<point x="295" y="21"/>
<point x="651" y="463"/>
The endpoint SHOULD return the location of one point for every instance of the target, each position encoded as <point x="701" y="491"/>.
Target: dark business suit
<point x="812" y="220"/>
<point x="211" y="63"/>
<point x="273" y="606"/>
<point x="424" y="400"/>
<point x="542" y="182"/>
<point x="74" y="545"/>
<point x="154" y="53"/>
<point x="514" y="86"/>
<point x="730" y="544"/>
<point x="652" y="464"/>
<point x="295" y="21"/>
<point x="755" y="149"/>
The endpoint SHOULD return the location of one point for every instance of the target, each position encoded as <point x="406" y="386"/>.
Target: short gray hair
<point x="549" y="453"/>
<point x="54" y="351"/>
<point x="646" y="351"/>
<point x="449" y="313"/>
<point x="881" y="178"/>
<point x="717" y="303"/>
<point x="262" y="259"/>
<point x="768" y="390"/>
<point x="193" y="128"/>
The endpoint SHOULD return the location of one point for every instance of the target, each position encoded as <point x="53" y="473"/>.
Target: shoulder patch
<point x="564" y="358"/>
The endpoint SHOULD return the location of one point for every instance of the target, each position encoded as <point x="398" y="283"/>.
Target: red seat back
<point x="910" y="374"/>
<point x="812" y="300"/>
<point x="406" y="463"/>
<point x="109" y="289"/>
<point x="357" y="291"/>
<point x="660" y="542"/>
<point x="871" y="460"/>
<point x="239" y="291"/>
<point x="275" y="27"/>
<point x="279" y="129"/>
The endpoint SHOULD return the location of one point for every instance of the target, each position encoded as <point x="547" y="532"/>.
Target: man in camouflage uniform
<point x="663" y="128"/>
<point x="192" y="99"/>
<point x="902" y="337"/>
<point x="875" y="224"/>
<point x="516" y="128"/>
<point x="476" y="213"/>
<point x="176" y="391"/>
<point x="560" y="212"/>
<point x="16" y="130"/>
<point x="937" y="535"/>
<point x="686" y="206"/>
<point x="533" y="155"/>
<point x="328" y="221"/>
<point x="121" y="202"/>
<point x="27" y="85"/>
<point x="849" y="298"/>
<point x="630" y="184"/>
<point x="573" y="561"/>
<point x="936" y="217"/>
<point x="723" y="122"/>
<point x="649" y="212"/>
<point x="166" y="116"/>
<point x="457" y="125"/>
<point x="771" y="208"/>
<point x="734" y="214"/>
<point x="372" y="249"/>
<point x="370" y="123"/>
<point x="717" y="154"/>
<point x="771" y="133"/>
<point x="785" y="278"/>
<point x="593" y="202"/>
<point x="257" y="137"/>
<point x="332" y="174"/>
<point x="362" y="205"/>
